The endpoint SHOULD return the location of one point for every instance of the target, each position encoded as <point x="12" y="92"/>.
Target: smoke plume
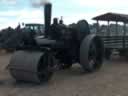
<point x="34" y="3"/>
<point x="39" y="3"/>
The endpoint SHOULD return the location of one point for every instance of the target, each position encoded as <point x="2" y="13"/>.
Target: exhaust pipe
<point x="47" y="18"/>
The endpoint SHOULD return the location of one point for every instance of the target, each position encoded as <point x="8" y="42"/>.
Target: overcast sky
<point x="14" y="11"/>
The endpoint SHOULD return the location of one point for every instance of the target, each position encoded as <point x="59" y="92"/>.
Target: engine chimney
<point x="47" y="18"/>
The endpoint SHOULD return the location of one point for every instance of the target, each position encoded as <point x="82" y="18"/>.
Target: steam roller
<point x="60" y="47"/>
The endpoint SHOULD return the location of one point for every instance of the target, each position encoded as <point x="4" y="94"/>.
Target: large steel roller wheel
<point x="91" y="53"/>
<point x="31" y="66"/>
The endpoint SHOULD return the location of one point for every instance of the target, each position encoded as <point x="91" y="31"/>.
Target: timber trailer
<point x="60" y="46"/>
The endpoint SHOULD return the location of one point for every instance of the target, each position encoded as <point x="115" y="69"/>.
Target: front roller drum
<point x="31" y="66"/>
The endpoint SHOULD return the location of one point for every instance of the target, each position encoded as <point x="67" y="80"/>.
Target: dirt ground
<point x="111" y="80"/>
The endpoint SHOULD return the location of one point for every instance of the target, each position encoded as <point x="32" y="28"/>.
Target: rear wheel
<point x="92" y="57"/>
<point x="91" y="53"/>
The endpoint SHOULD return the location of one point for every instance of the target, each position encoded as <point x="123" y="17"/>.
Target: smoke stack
<point x="47" y="17"/>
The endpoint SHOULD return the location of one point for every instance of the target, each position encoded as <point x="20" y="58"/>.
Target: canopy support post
<point x="108" y="28"/>
<point x="124" y="34"/>
<point x="97" y="29"/>
<point x="116" y="28"/>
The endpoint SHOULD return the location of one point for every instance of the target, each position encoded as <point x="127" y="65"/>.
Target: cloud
<point x="71" y="10"/>
<point x="34" y="16"/>
<point x="87" y="9"/>
<point x="22" y="13"/>
<point x="12" y="18"/>
<point x="102" y="3"/>
<point x="8" y="13"/>
<point x="9" y="2"/>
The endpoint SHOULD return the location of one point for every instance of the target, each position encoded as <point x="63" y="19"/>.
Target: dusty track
<point x="111" y="80"/>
